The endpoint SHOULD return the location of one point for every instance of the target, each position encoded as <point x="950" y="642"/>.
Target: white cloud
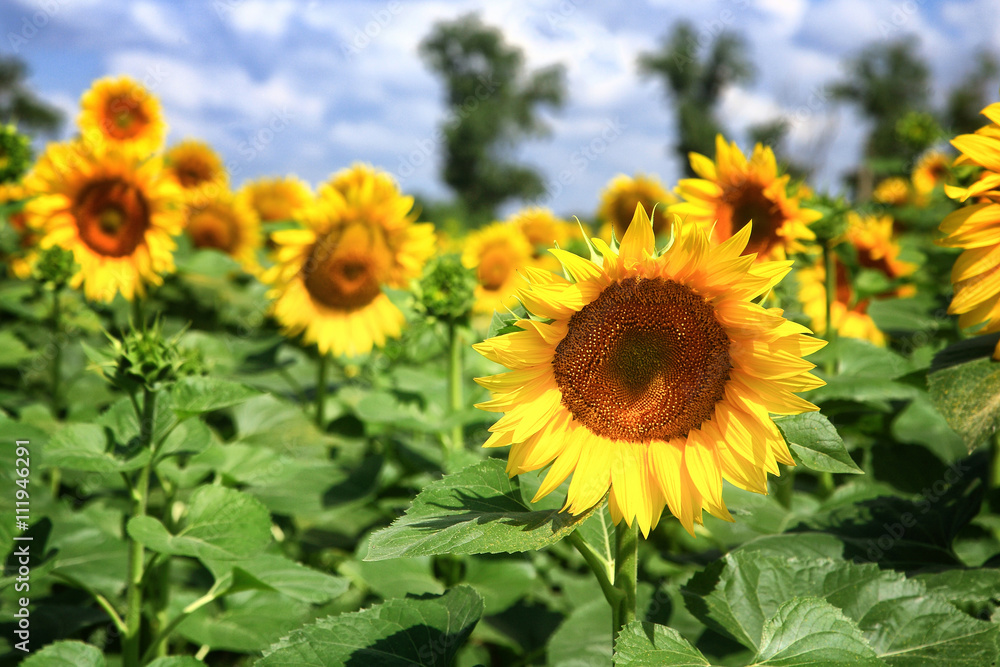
<point x="269" y="18"/>
<point x="157" y="22"/>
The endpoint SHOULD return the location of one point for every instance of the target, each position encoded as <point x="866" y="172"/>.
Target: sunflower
<point x="542" y="228"/>
<point x="197" y="168"/>
<point x="850" y="316"/>
<point x="976" y="273"/>
<point x="274" y="199"/>
<point x="651" y="377"/>
<point x="116" y="211"/>
<point x="931" y="171"/>
<point x="733" y="191"/>
<point x="893" y="191"/>
<point x="226" y="223"/>
<point x="875" y="248"/>
<point x="123" y="114"/>
<point x="22" y="259"/>
<point x="329" y="278"/>
<point x="619" y="199"/>
<point x="497" y="252"/>
<point x="872" y="238"/>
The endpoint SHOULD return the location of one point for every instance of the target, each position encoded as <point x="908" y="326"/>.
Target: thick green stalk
<point x="457" y="441"/>
<point x="321" y="390"/>
<point x="132" y="640"/>
<point x="831" y="294"/>
<point x="57" y="353"/>
<point x="626" y="573"/>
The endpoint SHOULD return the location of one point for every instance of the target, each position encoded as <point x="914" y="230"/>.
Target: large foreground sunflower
<point x="650" y="378"/>
<point x="733" y="191"/>
<point x="115" y="211"/>
<point x="122" y="114"/>
<point x="976" y="229"/>
<point x="329" y="277"/>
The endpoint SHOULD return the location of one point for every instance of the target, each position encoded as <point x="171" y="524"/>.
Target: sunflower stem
<point x="321" y="389"/>
<point x="131" y="642"/>
<point x="602" y="569"/>
<point x="831" y="291"/>
<point x="57" y="352"/>
<point x="455" y="382"/>
<point x="137" y="319"/>
<point x="626" y="572"/>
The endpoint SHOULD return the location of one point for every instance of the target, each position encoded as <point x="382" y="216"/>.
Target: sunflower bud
<point x="144" y="358"/>
<point x="55" y="266"/>
<point x="447" y="290"/>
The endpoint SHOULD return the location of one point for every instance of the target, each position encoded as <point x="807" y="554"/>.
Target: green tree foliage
<point x="21" y="106"/>
<point x="695" y="81"/>
<point x="886" y="81"/>
<point x="975" y="91"/>
<point x="492" y="104"/>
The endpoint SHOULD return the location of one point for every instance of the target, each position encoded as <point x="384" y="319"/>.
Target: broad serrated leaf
<point x="198" y="394"/>
<point x="276" y="573"/>
<point x="66" y="654"/>
<point x="897" y="617"/>
<point x="816" y="443"/>
<point x="407" y="631"/>
<point x="651" y="645"/>
<point x="968" y="395"/>
<point x="221" y="523"/>
<point x="84" y="447"/>
<point x="810" y="631"/>
<point x="477" y="510"/>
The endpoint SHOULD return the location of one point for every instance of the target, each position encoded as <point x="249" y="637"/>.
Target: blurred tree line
<point x="889" y="83"/>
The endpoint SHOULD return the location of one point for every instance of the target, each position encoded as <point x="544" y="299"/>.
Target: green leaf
<point x="582" y="638"/>
<point x="968" y="395"/>
<point x="176" y="661"/>
<point x="811" y="631"/>
<point x="406" y="631"/>
<point x="501" y="581"/>
<point x="188" y="437"/>
<point x="269" y="572"/>
<point x="650" y="645"/>
<point x="221" y="523"/>
<point x="478" y="510"/>
<point x="249" y="622"/>
<point x="83" y="447"/>
<point x="12" y="350"/>
<point x="198" y="394"/>
<point x="66" y="654"/>
<point x="897" y="617"/>
<point x="816" y="442"/>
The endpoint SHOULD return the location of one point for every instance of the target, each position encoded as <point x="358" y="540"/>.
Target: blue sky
<point x="309" y="87"/>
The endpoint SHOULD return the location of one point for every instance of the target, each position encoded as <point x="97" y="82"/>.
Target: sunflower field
<point x="723" y="421"/>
